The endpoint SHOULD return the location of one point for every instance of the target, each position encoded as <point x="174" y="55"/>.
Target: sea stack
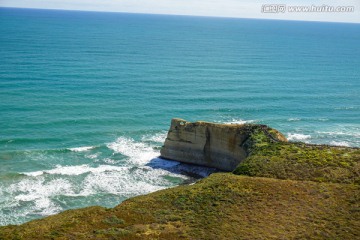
<point x="222" y="146"/>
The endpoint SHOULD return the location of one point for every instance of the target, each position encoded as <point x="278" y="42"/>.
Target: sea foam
<point x="298" y="137"/>
<point x="238" y="121"/>
<point x="156" y="138"/>
<point x="139" y="153"/>
<point x="81" y="149"/>
<point x="39" y="192"/>
<point x="74" y="170"/>
<point x="340" y="143"/>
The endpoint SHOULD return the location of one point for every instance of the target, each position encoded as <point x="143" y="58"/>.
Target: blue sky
<point x="222" y="8"/>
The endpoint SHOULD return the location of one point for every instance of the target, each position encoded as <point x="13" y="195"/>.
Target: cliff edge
<point x="222" y="146"/>
<point x="279" y="190"/>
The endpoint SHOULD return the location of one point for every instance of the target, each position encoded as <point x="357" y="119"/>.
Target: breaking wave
<point x="238" y="121"/>
<point x="298" y="137"/>
<point x="81" y="149"/>
<point x="342" y="143"/>
<point x="101" y="180"/>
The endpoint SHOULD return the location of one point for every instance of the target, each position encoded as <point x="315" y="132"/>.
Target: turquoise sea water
<point x="86" y="98"/>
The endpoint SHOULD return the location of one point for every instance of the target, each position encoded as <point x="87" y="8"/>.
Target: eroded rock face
<point x="222" y="146"/>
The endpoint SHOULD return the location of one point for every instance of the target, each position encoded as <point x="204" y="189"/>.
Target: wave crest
<point x="139" y="153"/>
<point x="81" y="149"/>
<point x="297" y="137"/>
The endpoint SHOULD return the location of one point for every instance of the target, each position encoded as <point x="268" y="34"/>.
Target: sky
<point x="265" y="9"/>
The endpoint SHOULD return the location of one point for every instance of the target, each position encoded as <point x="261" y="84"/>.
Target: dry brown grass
<point x="222" y="206"/>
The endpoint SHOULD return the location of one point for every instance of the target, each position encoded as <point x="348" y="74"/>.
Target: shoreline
<point x="313" y="175"/>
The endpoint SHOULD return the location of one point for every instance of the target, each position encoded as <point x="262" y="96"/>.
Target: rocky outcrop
<point x="222" y="146"/>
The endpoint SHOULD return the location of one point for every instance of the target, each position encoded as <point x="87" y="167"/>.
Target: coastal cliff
<point x="222" y="146"/>
<point x="277" y="190"/>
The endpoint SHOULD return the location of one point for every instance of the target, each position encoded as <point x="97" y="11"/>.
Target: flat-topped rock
<point x="222" y="146"/>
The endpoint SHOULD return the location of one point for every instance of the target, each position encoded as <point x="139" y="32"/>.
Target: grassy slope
<point x="228" y="206"/>
<point x="222" y="206"/>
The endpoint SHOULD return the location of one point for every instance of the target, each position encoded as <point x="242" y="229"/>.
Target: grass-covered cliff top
<point x="281" y="190"/>
<point x="244" y="129"/>
<point x="269" y="157"/>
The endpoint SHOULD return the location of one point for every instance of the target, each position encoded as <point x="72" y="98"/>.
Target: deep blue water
<point x="86" y="98"/>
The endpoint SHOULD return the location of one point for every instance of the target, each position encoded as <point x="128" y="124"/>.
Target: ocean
<point x="86" y="98"/>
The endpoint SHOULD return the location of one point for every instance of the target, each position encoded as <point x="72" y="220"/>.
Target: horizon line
<point x="180" y="15"/>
